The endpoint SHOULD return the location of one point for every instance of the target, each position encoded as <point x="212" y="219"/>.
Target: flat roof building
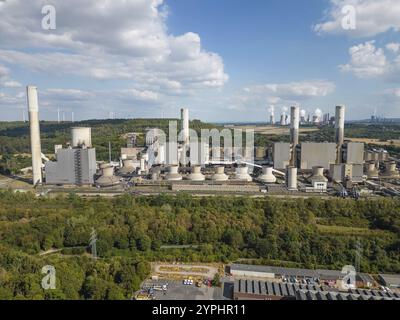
<point x="313" y="154"/>
<point x="390" y="280"/>
<point x="281" y="155"/>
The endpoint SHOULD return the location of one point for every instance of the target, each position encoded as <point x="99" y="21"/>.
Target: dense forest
<point x="132" y="231"/>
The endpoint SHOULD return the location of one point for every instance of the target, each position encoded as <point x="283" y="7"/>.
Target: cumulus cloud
<point x="102" y="40"/>
<point x="372" y="17"/>
<point x="368" y="61"/>
<point x="295" y="90"/>
<point x="393" y="46"/>
<point x="5" y="80"/>
<point x="258" y="96"/>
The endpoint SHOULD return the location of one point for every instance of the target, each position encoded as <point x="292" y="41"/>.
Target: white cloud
<point x="372" y="17"/>
<point x="259" y="96"/>
<point x="102" y="40"/>
<point x="369" y="61"/>
<point x="393" y="46"/>
<point x="366" y="61"/>
<point x="5" y="80"/>
<point x="295" y="90"/>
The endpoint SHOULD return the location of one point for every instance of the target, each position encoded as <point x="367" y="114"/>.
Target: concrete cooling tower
<point x="128" y="166"/>
<point x="242" y="173"/>
<point x="173" y="174"/>
<point x="196" y="174"/>
<point x="267" y="175"/>
<point x="107" y="178"/>
<point x="219" y="174"/>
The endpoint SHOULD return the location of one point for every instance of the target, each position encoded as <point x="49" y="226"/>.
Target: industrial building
<point x="390" y="280"/>
<point x="270" y="272"/>
<point x="246" y="289"/>
<point x="312" y="154"/>
<point x="76" y="164"/>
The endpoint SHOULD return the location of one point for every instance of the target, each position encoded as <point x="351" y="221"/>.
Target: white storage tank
<point x="81" y="137"/>
<point x="291" y="178"/>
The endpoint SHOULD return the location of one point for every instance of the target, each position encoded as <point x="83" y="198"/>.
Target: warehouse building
<point x="270" y="272"/>
<point x="245" y="289"/>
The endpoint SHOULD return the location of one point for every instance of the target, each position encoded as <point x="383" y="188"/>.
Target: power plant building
<point x="353" y="153"/>
<point x="312" y="154"/>
<point x="281" y="155"/>
<point x="73" y="167"/>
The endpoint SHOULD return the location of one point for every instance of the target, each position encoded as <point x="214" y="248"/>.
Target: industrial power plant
<point x="294" y="168"/>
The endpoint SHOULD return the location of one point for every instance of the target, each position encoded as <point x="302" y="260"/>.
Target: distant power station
<point x="184" y="165"/>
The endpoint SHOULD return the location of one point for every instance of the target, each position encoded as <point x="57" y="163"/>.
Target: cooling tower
<point x="33" y="108"/>
<point x="390" y="169"/>
<point x="173" y="174"/>
<point x="291" y="178"/>
<point x="128" y="166"/>
<point x="267" y="175"/>
<point x="196" y="174"/>
<point x="81" y="137"/>
<point x="318" y="174"/>
<point x="282" y="120"/>
<point x="107" y="178"/>
<point x="372" y="171"/>
<point x="219" y="174"/>
<point x="242" y="173"/>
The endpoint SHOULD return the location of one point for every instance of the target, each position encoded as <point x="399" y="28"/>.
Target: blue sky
<point x="226" y="60"/>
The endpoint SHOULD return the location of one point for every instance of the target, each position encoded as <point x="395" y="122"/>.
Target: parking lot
<point x="176" y="290"/>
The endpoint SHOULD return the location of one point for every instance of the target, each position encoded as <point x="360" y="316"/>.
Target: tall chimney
<point x="33" y="109"/>
<point x="339" y="131"/>
<point x="185" y="125"/>
<point x="294" y="125"/>
<point x="294" y="132"/>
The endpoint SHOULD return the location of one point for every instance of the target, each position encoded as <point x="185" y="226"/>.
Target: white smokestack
<point x="339" y="131"/>
<point x="185" y="125"/>
<point x="33" y="108"/>
<point x="339" y="124"/>
<point x="294" y="125"/>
